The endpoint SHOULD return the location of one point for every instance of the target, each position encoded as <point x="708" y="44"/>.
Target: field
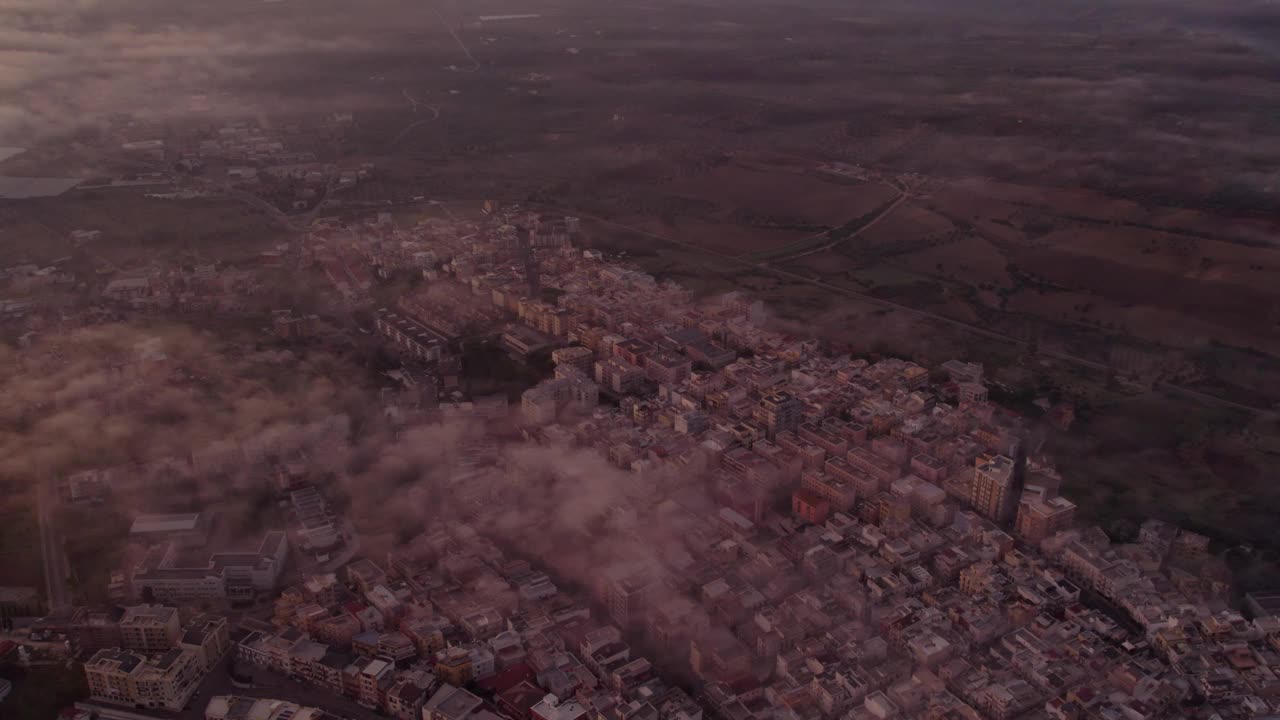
<point x="135" y="229"/>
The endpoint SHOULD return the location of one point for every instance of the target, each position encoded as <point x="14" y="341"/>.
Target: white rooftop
<point x="147" y="524"/>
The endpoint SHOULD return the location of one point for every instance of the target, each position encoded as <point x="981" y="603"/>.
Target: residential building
<point x="162" y="682"/>
<point x="454" y="666"/>
<point x="451" y="703"/>
<point x="208" y="637"/>
<point x="1040" y="517"/>
<point x="810" y="507"/>
<point x="993" y="493"/>
<point x="553" y="708"/>
<point x="149" y="628"/>
<point x="230" y="707"/>
<point x="779" y="412"/>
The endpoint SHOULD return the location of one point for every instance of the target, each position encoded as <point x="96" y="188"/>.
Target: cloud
<point x="72" y="63"/>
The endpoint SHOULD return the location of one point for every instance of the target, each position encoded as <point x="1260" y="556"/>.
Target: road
<point x="475" y="64"/>
<point x="56" y="568"/>
<point x="267" y="684"/>
<point x="1093" y="365"/>
<point x="415" y="103"/>
<point x="902" y="197"/>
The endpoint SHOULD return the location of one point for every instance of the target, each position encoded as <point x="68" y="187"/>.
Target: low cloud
<point x="67" y="64"/>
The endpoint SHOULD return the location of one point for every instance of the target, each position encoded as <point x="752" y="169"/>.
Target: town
<point x="683" y="514"/>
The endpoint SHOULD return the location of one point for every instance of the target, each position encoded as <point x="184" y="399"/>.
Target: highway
<point x="56" y="568"/>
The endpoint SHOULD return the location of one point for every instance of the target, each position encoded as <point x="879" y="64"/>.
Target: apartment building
<point x="208" y="637"/>
<point x="1040" y="517"/>
<point x="149" y="628"/>
<point x="992" y="494"/>
<point x="162" y="682"/>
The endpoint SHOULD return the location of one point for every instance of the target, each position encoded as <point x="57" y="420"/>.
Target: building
<point x="525" y="341"/>
<point x="408" y="336"/>
<point x="667" y="367"/>
<point x="149" y="628"/>
<point x="994" y="493"/>
<point x="972" y="394"/>
<point x="963" y="372"/>
<point x="454" y="666"/>
<point x="1040" y="517"/>
<point x="810" y="507"/>
<point x="162" y="682"/>
<point x="96" y="629"/>
<point x="629" y="599"/>
<point x="314" y="528"/>
<point x="553" y="708"/>
<point x="779" y="412"/>
<point x="369" y="679"/>
<point x="541" y="404"/>
<point x="19" y="601"/>
<point x="170" y="575"/>
<point x="409" y="694"/>
<point x="229" y="707"/>
<point x="451" y="703"/>
<point x="516" y="701"/>
<point x="208" y="637"/>
<point x="187" y="530"/>
<point x="839" y="493"/>
<point x="294" y="327"/>
<point x="619" y="376"/>
<point x="577" y="357"/>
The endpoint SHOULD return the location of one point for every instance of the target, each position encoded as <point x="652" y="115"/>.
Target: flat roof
<point x="181" y="522"/>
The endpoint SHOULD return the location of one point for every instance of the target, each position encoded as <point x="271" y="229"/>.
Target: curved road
<point x="902" y="197"/>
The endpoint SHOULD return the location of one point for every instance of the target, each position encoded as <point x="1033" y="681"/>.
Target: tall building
<point x="629" y="599"/>
<point x="779" y="412"/>
<point x="164" y="682"/>
<point x="994" y="493"/>
<point x="149" y="628"/>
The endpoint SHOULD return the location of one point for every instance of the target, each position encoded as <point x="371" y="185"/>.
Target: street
<point x="52" y="553"/>
<point x="271" y="685"/>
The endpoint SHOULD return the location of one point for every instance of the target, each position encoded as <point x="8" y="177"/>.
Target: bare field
<point x="973" y="259"/>
<point x="1181" y="255"/>
<point x="135" y="229"/>
<point x="1229" y="305"/>
<point x="783" y="198"/>
<point x="723" y="237"/>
